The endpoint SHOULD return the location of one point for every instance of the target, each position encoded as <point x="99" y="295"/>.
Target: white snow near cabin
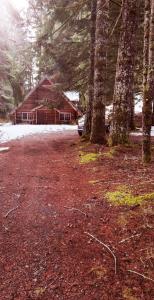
<point x="10" y="132"/>
<point x="140" y="132"/>
<point x="138" y="106"/>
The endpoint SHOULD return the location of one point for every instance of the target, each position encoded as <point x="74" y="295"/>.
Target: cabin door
<point x="45" y="117"/>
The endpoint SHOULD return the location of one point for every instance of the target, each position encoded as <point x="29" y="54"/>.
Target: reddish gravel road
<point x="44" y="251"/>
<point x="38" y="179"/>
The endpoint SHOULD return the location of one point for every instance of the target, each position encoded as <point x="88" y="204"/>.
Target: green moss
<point x="86" y="158"/>
<point x="123" y="196"/>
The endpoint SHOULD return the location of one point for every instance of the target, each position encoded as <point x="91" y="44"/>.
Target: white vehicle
<point x="81" y="123"/>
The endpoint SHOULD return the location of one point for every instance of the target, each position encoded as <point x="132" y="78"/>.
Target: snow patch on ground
<point x="137" y="108"/>
<point x="2" y="149"/>
<point x="140" y="132"/>
<point x="10" y="132"/>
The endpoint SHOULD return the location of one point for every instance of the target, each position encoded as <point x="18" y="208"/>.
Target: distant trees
<point x="15" y="56"/>
<point x="62" y="41"/>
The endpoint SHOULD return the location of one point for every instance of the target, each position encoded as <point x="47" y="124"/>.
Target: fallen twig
<point x="142" y="262"/>
<point x="107" y="247"/>
<point x="142" y="275"/>
<point x="76" y="209"/>
<point x="98" y="181"/>
<point x="129" y="238"/>
<point x="11" y="210"/>
<point x="6" y="228"/>
<point x="51" y="283"/>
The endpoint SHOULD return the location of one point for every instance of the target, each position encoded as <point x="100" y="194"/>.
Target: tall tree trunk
<point x="153" y="112"/>
<point x="148" y="79"/>
<point x="124" y="81"/>
<point x="98" y="134"/>
<point x="88" y="121"/>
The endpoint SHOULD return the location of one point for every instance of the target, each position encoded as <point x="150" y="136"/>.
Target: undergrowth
<point x="88" y="157"/>
<point x="123" y="196"/>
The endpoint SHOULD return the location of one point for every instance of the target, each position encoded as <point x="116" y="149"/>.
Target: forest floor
<point x="60" y="236"/>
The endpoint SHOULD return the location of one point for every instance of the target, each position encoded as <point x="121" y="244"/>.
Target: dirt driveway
<point x="39" y="181"/>
<point x="44" y="251"/>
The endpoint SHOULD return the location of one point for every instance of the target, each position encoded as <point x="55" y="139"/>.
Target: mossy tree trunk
<point x="148" y="79"/>
<point x="98" y="134"/>
<point x="87" y="129"/>
<point x="124" y="81"/>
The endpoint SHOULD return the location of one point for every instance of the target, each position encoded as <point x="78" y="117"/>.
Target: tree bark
<point x="98" y="134"/>
<point x="88" y="121"/>
<point x="123" y="101"/>
<point x="148" y="79"/>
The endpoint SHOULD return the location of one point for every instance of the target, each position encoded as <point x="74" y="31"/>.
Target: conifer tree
<point x="124" y="81"/>
<point x="148" y="79"/>
<point x="88" y="121"/>
<point x="98" y="134"/>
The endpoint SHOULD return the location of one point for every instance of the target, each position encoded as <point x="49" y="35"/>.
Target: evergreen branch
<point x="68" y="19"/>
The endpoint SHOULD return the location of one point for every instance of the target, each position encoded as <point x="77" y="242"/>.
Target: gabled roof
<point x="70" y="103"/>
<point x="49" y="85"/>
<point x="40" y="83"/>
<point x="32" y="91"/>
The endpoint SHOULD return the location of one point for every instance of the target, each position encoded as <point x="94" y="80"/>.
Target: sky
<point x="19" y="4"/>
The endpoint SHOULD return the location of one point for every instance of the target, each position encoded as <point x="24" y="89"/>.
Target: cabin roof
<point x="40" y="83"/>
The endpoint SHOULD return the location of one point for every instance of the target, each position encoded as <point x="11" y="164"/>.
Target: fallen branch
<point x="76" y="209"/>
<point x="129" y="238"/>
<point x="10" y="211"/>
<point x="107" y="247"/>
<point x="6" y="228"/>
<point x="142" y="275"/>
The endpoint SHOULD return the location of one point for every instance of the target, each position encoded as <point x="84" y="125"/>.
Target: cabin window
<point x="65" y="116"/>
<point x="26" y="116"/>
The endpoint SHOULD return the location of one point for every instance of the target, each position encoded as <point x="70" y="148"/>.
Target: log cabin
<point x="45" y="105"/>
